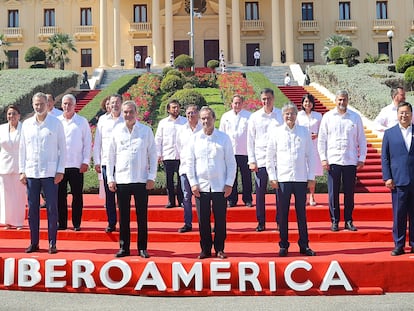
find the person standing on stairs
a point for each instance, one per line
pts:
(78, 155)
(342, 147)
(311, 119)
(103, 136)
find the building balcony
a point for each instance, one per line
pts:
(46, 32)
(13, 34)
(140, 29)
(308, 26)
(346, 26)
(383, 25)
(252, 25)
(84, 32)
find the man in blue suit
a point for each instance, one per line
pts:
(398, 174)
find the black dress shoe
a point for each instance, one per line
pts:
(397, 251)
(350, 226)
(221, 255)
(249, 204)
(169, 205)
(110, 229)
(260, 228)
(334, 227)
(231, 204)
(32, 248)
(52, 249)
(283, 252)
(185, 228)
(76, 229)
(412, 250)
(122, 253)
(61, 228)
(307, 251)
(203, 255)
(143, 253)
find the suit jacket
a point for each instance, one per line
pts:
(397, 162)
(9, 150)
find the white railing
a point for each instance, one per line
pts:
(252, 25)
(306, 26)
(346, 25)
(140, 27)
(383, 24)
(48, 31)
(84, 29)
(13, 32)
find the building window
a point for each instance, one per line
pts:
(86, 57)
(344, 10)
(140, 13)
(251, 11)
(383, 48)
(13, 18)
(49, 18)
(382, 10)
(307, 11)
(308, 52)
(13, 58)
(86, 17)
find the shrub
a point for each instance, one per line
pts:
(403, 62)
(213, 63)
(187, 97)
(165, 70)
(35, 54)
(174, 72)
(171, 83)
(183, 61)
(349, 54)
(188, 85)
(37, 66)
(409, 76)
(335, 54)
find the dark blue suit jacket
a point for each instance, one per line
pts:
(397, 162)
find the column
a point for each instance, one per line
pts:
(103, 33)
(223, 29)
(235, 34)
(117, 43)
(289, 32)
(275, 33)
(169, 37)
(156, 34)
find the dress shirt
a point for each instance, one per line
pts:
(407, 134)
(211, 162)
(235, 125)
(9, 149)
(289, 155)
(311, 122)
(78, 140)
(42, 150)
(133, 154)
(341, 138)
(55, 112)
(259, 125)
(387, 117)
(103, 135)
(184, 135)
(165, 137)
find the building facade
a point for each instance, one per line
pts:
(108, 33)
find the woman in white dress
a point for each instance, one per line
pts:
(12, 191)
(311, 119)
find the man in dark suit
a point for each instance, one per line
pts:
(398, 174)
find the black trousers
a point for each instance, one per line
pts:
(140, 193)
(75, 180)
(171, 167)
(205, 203)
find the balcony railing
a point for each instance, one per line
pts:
(308, 26)
(137, 29)
(346, 26)
(84, 32)
(47, 31)
(13, 33)
(252, 25)
(382, 25)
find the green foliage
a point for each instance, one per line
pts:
(409, 76)
(379, 59)
(35, 54)
(409, 45)
(335, 54)
(183, 61)
(259, 82)
(60, 45)
(213, 63)
(171, 83)
(174, 72)
(332, 41)
(37, 66)
(403, 62)
(349, 55)
(187, 97)
(188, 85)
(165, 70)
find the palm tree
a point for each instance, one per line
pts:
(409, 45)
(3, 46)
(332, 41)
(60, 45)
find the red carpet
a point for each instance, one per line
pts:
(84, 97)
(346, 262)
